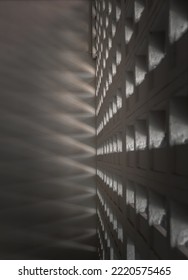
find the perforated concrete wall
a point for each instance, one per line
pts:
(140, 48)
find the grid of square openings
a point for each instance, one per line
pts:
(110, 222)
(141, 73)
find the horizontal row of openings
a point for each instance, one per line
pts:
(111, 180)
(160, 129)
(112, 145)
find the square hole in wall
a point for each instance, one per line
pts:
(115, 223)
(158, 210)
(119, 142)
(111, 216)
(112, 253)
(109, 43)
(115, 183)
(140, 69)
(141, 200)
(141, 135)
(110, 110)
(129, 29)
(130, 193)
(118, 55)
(178, 19)
(109, 7)
(120, 187)
(157, 130)
(120, 231)
(130, 138)
(178, 121)
(118, 10)
(106, 21)
(113, 28)
(179, 225)
(129, 83)
(109, 78)
(130, 249)
(115, 144)
(114, 105)
(103, 5)
(156, 49)
(119, 99)
(139, 6)
(114, 67)
(110, 145)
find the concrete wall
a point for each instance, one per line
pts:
(142, 128)
(47, 134)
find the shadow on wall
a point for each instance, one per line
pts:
(47, 143)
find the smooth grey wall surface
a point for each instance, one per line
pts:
(47, 135)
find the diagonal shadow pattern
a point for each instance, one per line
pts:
(47, 131)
